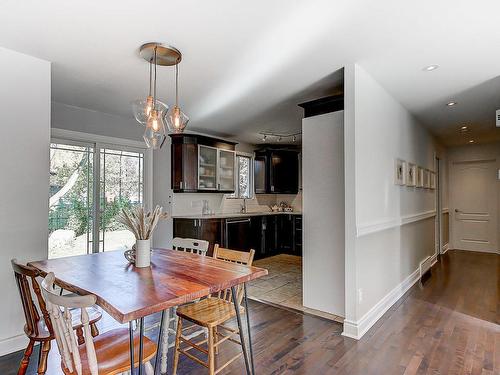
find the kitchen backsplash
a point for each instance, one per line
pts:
(192, 204)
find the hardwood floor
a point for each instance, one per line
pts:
(448, 326)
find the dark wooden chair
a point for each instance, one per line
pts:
(38, 325)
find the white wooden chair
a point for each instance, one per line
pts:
(108, 353)
(189, 245)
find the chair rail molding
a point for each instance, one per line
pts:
(379, 226)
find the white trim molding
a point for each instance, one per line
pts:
(365, 229)
(356, 329)
(446, 247)
(13, 344)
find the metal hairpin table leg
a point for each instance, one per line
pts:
(240, 328)
(247, 313)
(160, 336)
(131, 343)
(141, 344)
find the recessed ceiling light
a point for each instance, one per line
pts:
(430, 68)
(451, 104)
(471, 141)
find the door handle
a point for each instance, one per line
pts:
(457, 210)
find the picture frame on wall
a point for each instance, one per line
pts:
(433, 180)
(411, 174)
(399, 172)
(420, 177)
(427, 179)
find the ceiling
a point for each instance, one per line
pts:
(246, 66)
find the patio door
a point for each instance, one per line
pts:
(90, 183)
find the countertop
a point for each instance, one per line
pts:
(235, 215)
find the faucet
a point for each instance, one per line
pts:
(244, 206)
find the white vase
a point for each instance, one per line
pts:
(142, 253)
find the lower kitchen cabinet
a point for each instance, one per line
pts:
(202, 229)
(268, 235)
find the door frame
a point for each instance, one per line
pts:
(439, 208)
(99, 142)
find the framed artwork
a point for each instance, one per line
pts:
(427, 179)
(433, 180)
(411, 174)
(420, 177)
(400, 172)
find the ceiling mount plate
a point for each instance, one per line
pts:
(165, 55)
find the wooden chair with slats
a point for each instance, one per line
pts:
(189, 245)
(212, 313)
(38, 325)
(106, 354)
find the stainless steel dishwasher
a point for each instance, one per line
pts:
(238, 234)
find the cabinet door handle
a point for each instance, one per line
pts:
(272, 187)
(180, 184)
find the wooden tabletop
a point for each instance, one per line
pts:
(127, 293)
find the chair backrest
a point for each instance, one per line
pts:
(60, 315)
(190, 245)
(24, 275)
(233, 256)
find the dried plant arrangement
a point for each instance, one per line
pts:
(140, 222)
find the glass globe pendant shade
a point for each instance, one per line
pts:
(176, 120)
(154, 134)
(142, 108)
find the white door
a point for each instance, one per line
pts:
(474, 206)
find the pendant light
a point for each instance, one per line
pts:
(142, 107)
(154, 134)
(176, 119)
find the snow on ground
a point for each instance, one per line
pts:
(63, 243)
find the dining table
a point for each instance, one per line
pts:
(129, 294)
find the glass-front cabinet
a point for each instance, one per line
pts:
(207, 167)
(201, 164)
(225, 174)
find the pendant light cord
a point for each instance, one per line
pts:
(154, 87)
(150, 75)
(177, 85)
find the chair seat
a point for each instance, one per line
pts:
(208, 312)
(113, 353)
(42, 333)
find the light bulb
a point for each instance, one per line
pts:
(149, 106)
(176, 120)
(153, 121)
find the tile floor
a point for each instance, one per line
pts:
(283, 285)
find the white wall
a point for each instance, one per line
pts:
(395, 225)
(24, 191)
(94, 122)
(323, 212)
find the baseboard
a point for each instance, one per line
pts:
(13, 344)
(445, 248)
(356, 329)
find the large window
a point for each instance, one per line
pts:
(89, 185)
(244, 176)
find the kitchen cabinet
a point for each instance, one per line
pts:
(285, 233)
(276, 171)
(202, 229)
(201, 164)
(268, 235)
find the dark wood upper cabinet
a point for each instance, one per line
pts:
(200, 163)
(276, 171)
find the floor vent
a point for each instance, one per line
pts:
(425, 268)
